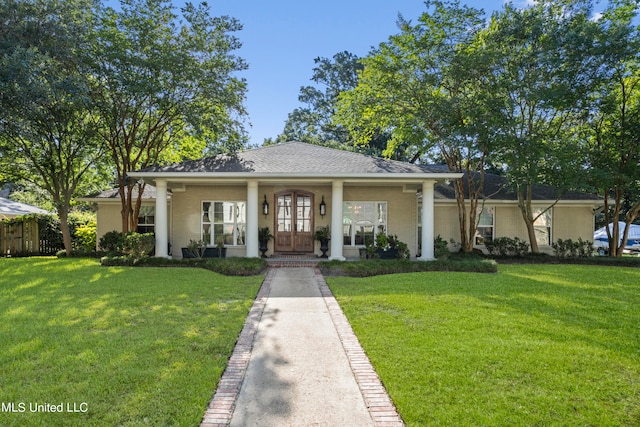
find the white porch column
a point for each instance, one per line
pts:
(162, 221)
(336, 221)
(427, 221)
(252, 219)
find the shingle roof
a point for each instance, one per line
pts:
(10, 208)
(148, 193)
(496, 187)
(295, 158)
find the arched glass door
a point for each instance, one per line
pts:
(294, 222)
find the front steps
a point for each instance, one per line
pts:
(293, 260)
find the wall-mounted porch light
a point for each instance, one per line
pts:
(323, 207)
(265, 206)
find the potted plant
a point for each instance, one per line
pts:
(386, 246)
(323, 235)
(221, 250)
(264, 235)
(195, 249)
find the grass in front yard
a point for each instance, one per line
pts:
(531, 345)
(139, 346)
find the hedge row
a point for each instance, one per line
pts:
(226, 266)
(375, 268)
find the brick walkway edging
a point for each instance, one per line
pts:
(220, 409)
(382, 410)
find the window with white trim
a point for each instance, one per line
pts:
(542, 226)
(147, 219)
(362, 221)
(485, 220)
(224, 220)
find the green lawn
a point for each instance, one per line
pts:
(532, 345)
(136, 346)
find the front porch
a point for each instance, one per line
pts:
(232, 213)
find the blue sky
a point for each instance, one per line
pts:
(281, 38)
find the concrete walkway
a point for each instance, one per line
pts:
(298, 363)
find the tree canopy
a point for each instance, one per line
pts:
(87, 89)
(47, 132)
(165, 87)
(517, 88)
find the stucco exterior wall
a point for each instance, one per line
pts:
(573, 222)
(109, 219)
(402, 213)
(446, 223)
(568, 222)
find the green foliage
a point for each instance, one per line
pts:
(510, 89)
(264, 234)
(382, 242)
(611, 136)
(112, 241)
(440, 248)
(236, 266)
(86, 236)
(314, 123)
(165, 79)
(370, 268)
(138, 245)
(403, 250)
(507, 246)
(196, 248)
(386, 247)
(226, 266)
(322, 233)
(570, 249)
(48, 136)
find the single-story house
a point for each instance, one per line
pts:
(294, 188)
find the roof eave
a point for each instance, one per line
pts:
(294, 176)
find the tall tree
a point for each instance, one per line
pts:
(613, 139)
(540, 73)
(161, 77)
(314, 122)
(421, 86)
(47, 135)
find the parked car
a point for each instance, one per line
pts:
(601, 240)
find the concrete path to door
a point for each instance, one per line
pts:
(298, 363)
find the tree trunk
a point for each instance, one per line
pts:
(124, 212)
(524, 203)
(462, 216)
(63, 214)
(615, 245)
(135, 211)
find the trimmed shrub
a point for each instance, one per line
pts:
(225, 266)
(112, 241)
(138, 245)
(440, 248)
(374, 268)
(85, 237)
(507, 246)
(570, 249)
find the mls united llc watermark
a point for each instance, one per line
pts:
(21, 407)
